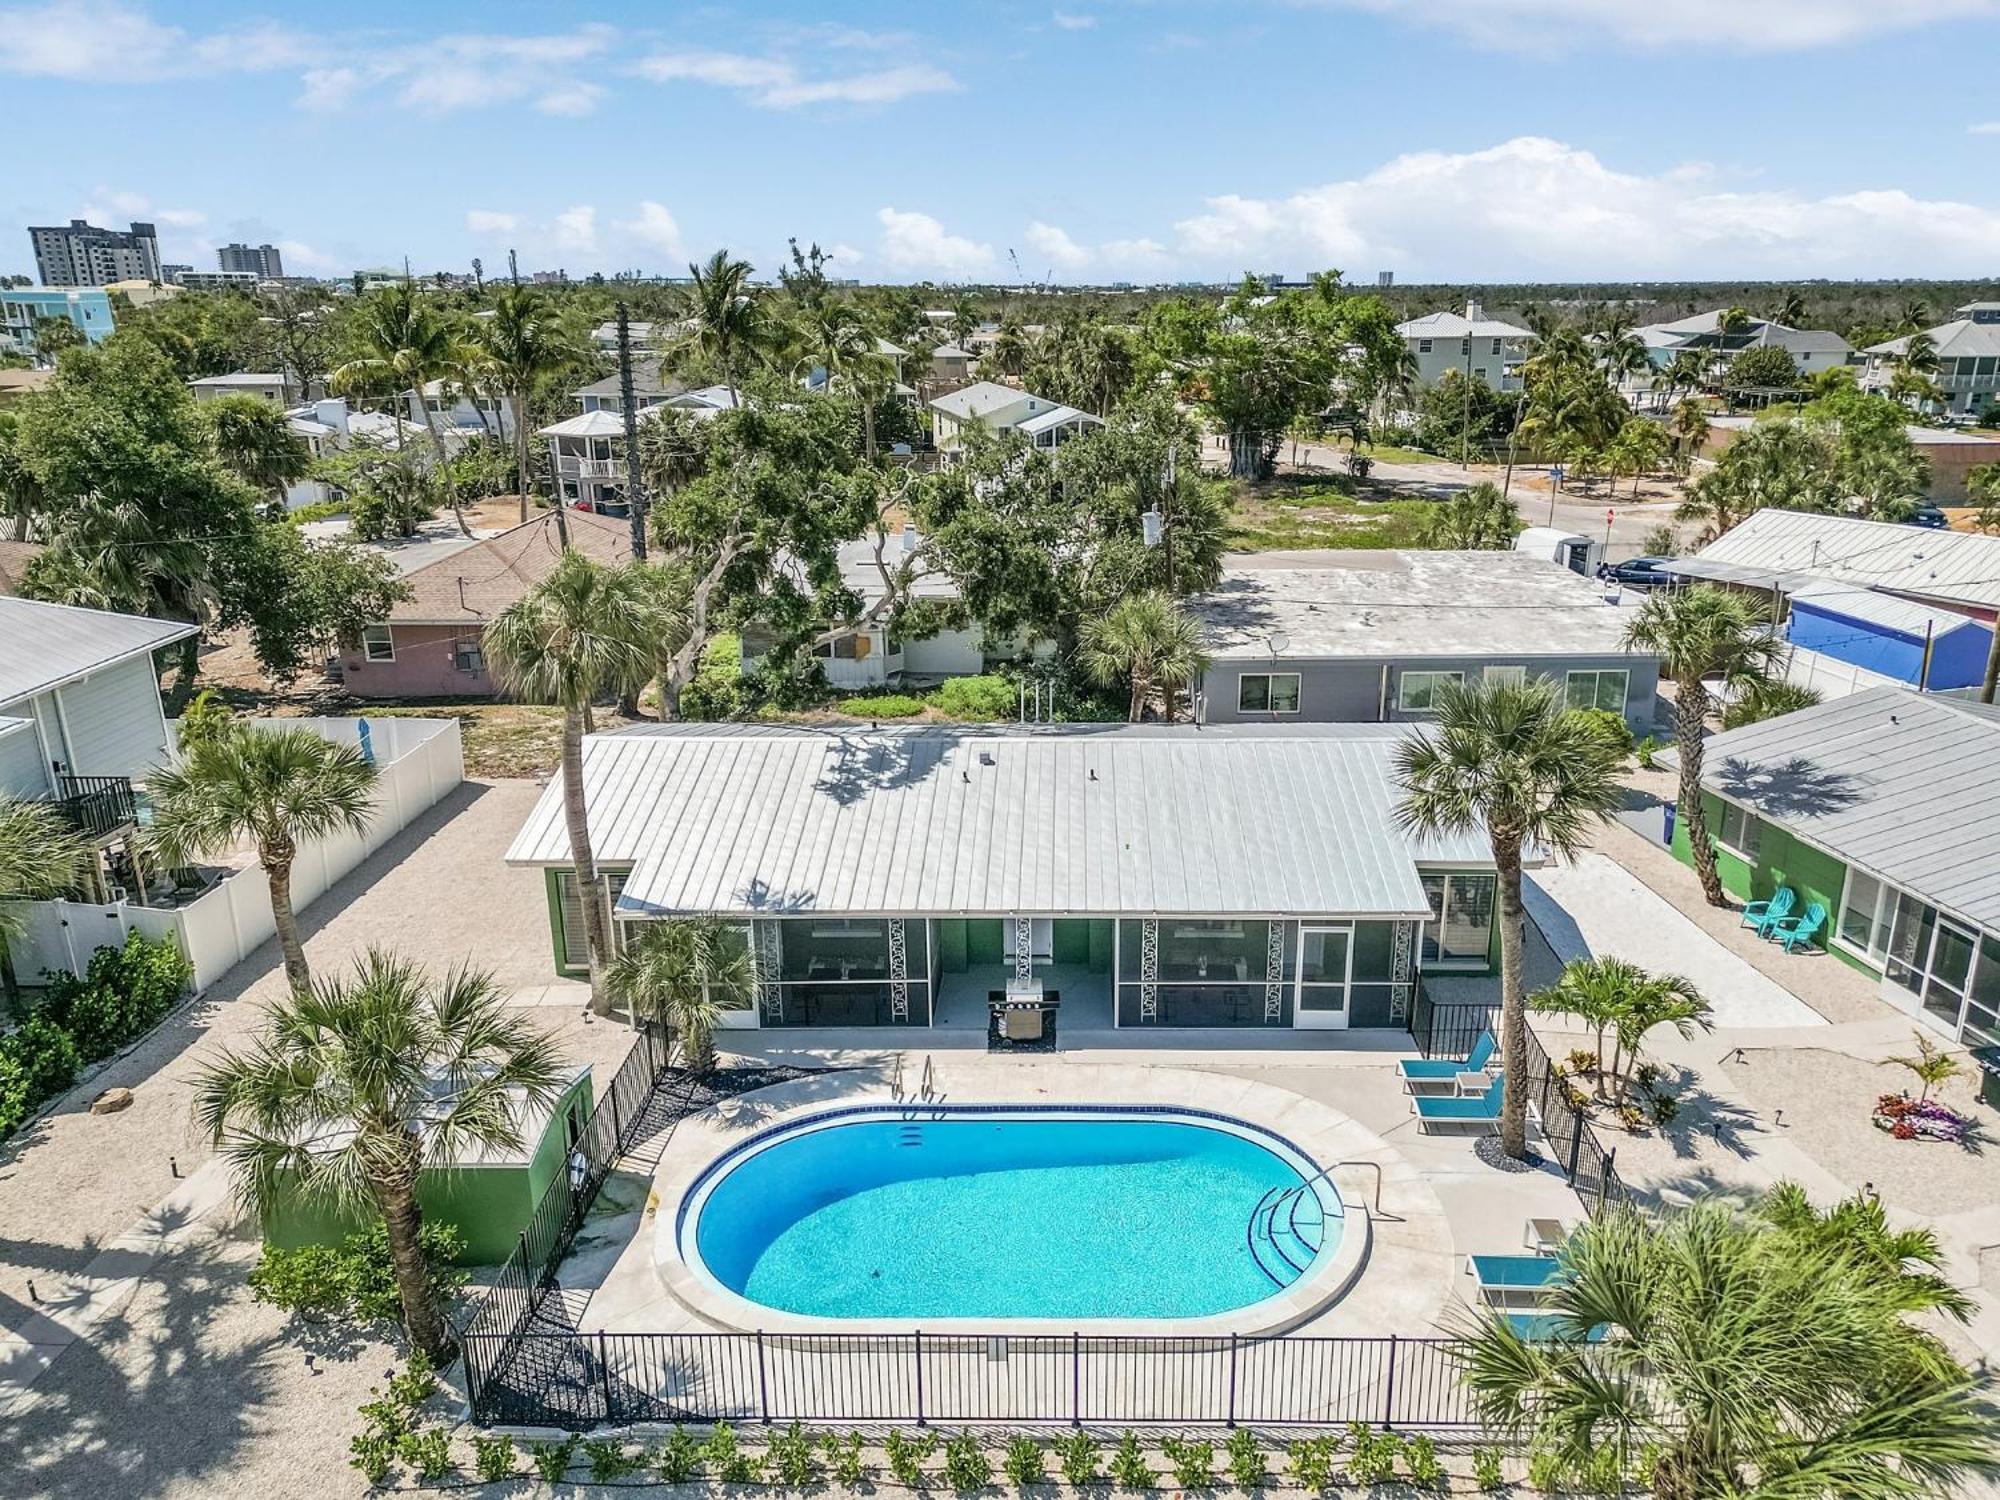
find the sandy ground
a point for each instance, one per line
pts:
(193, 1389)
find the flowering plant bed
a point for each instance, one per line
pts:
(1910, 1119)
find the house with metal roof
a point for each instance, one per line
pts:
(1968, 354)
(1884, 808)
(1319, 637)
(1476, 346)
(1002, 408)
(1812, 349)
(1131, 876)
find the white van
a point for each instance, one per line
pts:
(1570, 549)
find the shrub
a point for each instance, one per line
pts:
(372, 1453)
(1024, 1462)
(1647, 752)
(416, 1385)
(987, 697)
(44, 1058)
(608, 1460)
(792, 1459)
(1609, 727)
(906, 1456)
(679, 1457)
(1486, 1470)
(881, 706)
(1665, 1108)
(1632, 1116)
(494, 1457)
(1310, 1461)
(1248, 1470)
(843, 1460)
(1192, 1460)
(1420, 1462)
(1581, 1060)
(1371, 1456)
(355, 1279)
(429, 1453)
(726, 1459)
(1648, 1075)
(551, 1460)
(1129, 1469)
(1081, 1459)
(1544, 1470)
(966, 1467)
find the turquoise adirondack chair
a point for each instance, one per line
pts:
(1795, 932)
(1763, 915)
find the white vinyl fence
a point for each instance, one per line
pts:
(421, 760)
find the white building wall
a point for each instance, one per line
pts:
(113, 721)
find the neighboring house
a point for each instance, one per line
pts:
(431, 644)
(1152, 876)
(276, 389)
(17, 383)
(587, 451)
(1002, 408)
(1950, 453)
(1785, 551)
(874, 655)
(1318, 637)
(327, 427)
(1899, 640)
(81, 721)
(1884, 808)
(89, 308)
(951, 365)
(144, 293)
(14, 560)
(1812, 349)
(487, 1196)
(454, 409)
(1968, 351)
(650, 386)
(1471, 343)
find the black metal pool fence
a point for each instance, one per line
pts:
(525, 1366)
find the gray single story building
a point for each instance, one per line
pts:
(1369, 636)
(1156, 876)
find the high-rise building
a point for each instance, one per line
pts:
(81, 254)
(264, 260)
(1385, 278)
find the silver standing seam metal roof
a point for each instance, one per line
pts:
(1788, 549)
(43, 646)
(1103, 820)
(1906, 786)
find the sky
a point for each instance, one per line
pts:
(983, 140)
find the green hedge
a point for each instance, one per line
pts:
(122, 995)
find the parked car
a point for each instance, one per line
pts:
(1642, 572)
(1928, 515)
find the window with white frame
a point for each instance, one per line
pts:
(1740, 832)
(1417, 691)
(377, 644)
(1267, 693)
(1460, 931)
(1602, 687)
(1866, 907)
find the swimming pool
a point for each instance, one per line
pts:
(1074, 1214)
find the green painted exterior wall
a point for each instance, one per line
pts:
(1782, 860)
(488, 1205)
(950, 938)
(985, 941)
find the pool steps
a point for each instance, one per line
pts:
(1280, 1242)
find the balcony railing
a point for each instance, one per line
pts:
(96, 805)
(590, 468)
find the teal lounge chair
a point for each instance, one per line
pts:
(1437, 1070)
(1546, 1328)
(1762, 915)
(1511, 1279)
(1460, 1109)
(1795, 932)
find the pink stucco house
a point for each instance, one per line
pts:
(429, 647)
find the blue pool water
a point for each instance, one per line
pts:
(999, 1217)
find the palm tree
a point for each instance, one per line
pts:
(1699, 633)
(1146, 639)
(1686, 371)
(255, 442)
(831, 336)
(279, 788)
(1688, 426)
(41, 857)
(1651, 1001)
(1790, 311)
(1476, 519)
(1932, 1065)
(358, 1085)
(1767, 698)
(525, 342)
(686, 971)
(1510, 757)
(729, 327)
(584, 632)
(1737, 1355)
(1909, 1261)
(405, 344)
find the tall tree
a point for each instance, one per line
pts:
(255, 442)
(403, 344)
(358, 1085)
(1511, 758)
(1147, 641)
(1701, 633)
(729, 328)
(583, 633)
(280, 789)
(527, 343)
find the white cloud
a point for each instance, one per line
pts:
(1984, 127)
(1532, 207)
(111, 204)
(1765, 26)
(1073, 21)
(1056, 247)
(917, 242)
(575, 229)
(329, 88)
(299, 253)
(97, 42)
(655, 229)
(571, 99)
(845, 256)
(775, 83)
(488, 221)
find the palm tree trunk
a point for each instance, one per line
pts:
(590, 897)
(403, 1218)
(1513, 999)
(1690, 719)
(1138, 705)
(520, 403)
(444, 464)
(184, 676)
(278, 871)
